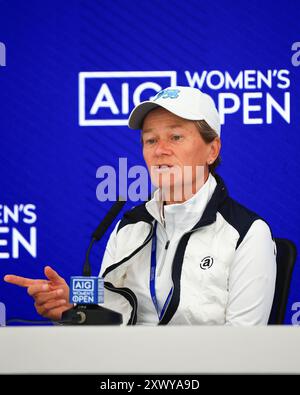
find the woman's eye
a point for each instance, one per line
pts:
(176, 137)
(149, 141)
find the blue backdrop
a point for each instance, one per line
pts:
(51, 143)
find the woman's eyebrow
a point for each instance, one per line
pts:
(147, 130)
(173, 126)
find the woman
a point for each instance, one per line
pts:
(191, 255)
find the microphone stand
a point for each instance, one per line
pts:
(93, 314)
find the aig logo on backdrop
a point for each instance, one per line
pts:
(256, 96)
(107, 97)
(2, 55)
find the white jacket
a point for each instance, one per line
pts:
(220, 260)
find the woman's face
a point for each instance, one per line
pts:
(175, 153)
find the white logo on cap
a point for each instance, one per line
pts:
(167, 94)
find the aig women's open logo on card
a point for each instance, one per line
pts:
(86, 290)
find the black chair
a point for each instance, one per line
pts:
(286, 258)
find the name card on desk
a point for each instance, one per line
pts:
(86, 290)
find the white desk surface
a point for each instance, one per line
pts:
(149, 350)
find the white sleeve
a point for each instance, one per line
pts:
(252, 278)
(110, 251)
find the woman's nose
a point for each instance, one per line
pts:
(163, 148)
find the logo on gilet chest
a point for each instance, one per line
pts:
(206, 262)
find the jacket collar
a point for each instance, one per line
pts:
(217, 200)
(205, 203)
(140, 213)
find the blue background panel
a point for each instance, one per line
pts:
(49, 160)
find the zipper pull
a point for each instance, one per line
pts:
(163, 259)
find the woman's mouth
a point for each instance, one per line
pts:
(162, 168)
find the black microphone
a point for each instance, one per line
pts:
(108, 219)
(92, 314)
(101, 229)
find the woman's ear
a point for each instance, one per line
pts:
(215, 147)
